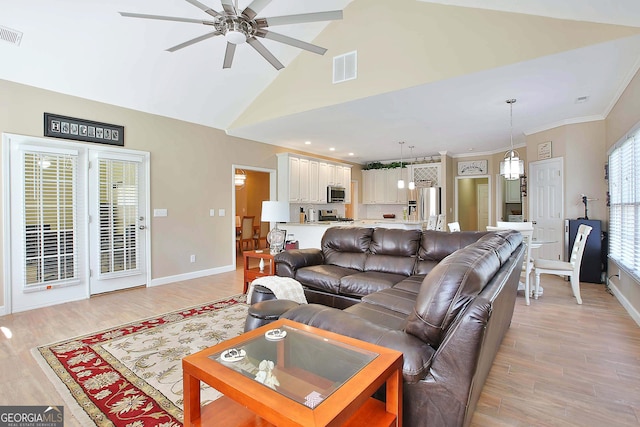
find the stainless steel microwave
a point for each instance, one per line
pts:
(335, 194)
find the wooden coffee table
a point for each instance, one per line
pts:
(325, 379)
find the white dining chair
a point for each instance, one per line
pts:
(526, 229)
(431, 223)
(454, 227)
(569, 268)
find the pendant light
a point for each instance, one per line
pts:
(400, 180)
(412, 184)
(511, 167)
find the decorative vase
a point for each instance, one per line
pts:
(261, 265)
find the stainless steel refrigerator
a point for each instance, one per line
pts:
(428, 202)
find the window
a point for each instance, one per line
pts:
(49, 219)
(624, 213)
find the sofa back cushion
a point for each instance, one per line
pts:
(458, 278)
(437, 245)
(346, 246)
(393, 251)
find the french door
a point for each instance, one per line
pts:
(75, 216)
(117, 221)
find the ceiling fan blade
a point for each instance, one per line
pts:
(165, 18)
(228, 7)
(204, 7)
(301, 18)
(255, 8)
(290, 41)
(193, 41)
(228, 55)
(265, 53)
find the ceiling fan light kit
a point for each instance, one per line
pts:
(243, 27)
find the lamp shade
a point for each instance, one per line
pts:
(274, 211)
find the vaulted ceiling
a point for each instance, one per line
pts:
(435, 74)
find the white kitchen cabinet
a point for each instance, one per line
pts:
(368, 187)
(305, 179)
(314, 186)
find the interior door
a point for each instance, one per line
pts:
(546, 205)
(118, 226)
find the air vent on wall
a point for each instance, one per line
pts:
(345, 67)
(11, 36)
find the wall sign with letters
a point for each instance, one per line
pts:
(474, 167)
(83, 130)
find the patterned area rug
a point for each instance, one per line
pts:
(131, 375)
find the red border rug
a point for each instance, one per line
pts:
(131, 375)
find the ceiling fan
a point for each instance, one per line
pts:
(239, 27)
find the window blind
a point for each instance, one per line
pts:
(624, 213)
(118, 216)
(49, 219)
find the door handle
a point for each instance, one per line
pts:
(142, 227)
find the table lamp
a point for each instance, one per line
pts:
(274, 211)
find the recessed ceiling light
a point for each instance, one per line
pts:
(307, 143)
(582, 99)
(332, 149)
(351, 154)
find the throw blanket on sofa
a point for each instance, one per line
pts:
(282, 288)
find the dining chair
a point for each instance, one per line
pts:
(246, 233)
(431, 222)
(261, 234)
(569, 268)
(454, 227)
(526, 229)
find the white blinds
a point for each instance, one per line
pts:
(49, 219)
(624, 213)
(118, 216)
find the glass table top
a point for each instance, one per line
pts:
(298, 364)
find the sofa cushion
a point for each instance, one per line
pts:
(450, 286)
(378, 315)
(411, 283)
(436, 245)
(346, 246)
(398, 300)
(360, 284)
(324, 277)
(393, 251)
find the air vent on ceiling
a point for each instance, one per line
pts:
(345, 67)
(11, 36)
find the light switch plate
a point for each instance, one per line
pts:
(159, 212)
(212, 212)
(221, 212)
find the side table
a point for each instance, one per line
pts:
(251, 266)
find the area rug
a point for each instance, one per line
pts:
(131, 375)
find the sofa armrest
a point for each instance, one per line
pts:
(288, 262)
(416, 355)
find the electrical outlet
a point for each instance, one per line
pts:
(193, 258)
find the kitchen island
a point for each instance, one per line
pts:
(309, 234)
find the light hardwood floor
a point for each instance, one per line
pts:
(560, 364)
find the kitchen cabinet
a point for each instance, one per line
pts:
(380, 186)
(426, 174)
(303, 179)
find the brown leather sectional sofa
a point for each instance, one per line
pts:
(444, 299)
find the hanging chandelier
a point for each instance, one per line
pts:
(412, 183)
(400, 180)
(511, 167)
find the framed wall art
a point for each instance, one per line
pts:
(83, 130)
(544, 150)
(473, 167)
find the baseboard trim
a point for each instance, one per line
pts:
(633, 312)
(193, 275)
(3, 310)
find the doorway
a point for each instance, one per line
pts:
(472, 202)
(74, 216)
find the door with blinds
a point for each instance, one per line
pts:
(76, 221)
(117, 221)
